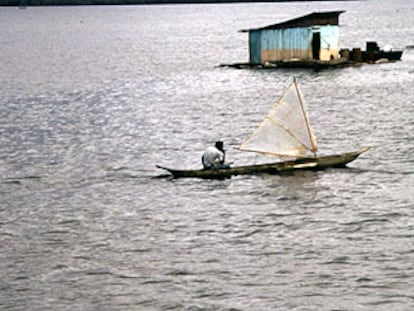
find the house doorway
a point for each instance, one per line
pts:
(316, 45)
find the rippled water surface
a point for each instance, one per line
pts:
(93, 97)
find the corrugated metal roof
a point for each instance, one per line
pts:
(312, 19)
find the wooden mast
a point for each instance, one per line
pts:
(311, 136)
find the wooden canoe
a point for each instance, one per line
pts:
(318, 163)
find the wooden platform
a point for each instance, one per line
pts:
(310, 64)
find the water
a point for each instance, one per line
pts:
(93, 97)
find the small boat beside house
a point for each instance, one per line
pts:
(309, 41)
(373, 53)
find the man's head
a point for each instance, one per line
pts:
(219, 145)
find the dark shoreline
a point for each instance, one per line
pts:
(24, 3)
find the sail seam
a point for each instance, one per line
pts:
(288, 131)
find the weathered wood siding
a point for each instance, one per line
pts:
(289, 43)
(255, 47)
(292, 43)
(329, 42)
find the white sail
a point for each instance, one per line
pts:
(285, 131)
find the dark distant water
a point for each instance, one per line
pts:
(93, 97)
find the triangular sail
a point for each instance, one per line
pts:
(285, 131)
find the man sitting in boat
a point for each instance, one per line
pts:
(213, 157)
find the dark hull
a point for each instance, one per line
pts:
(319, 163)
(308, 64)
(371, 57)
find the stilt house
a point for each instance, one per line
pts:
(312, 37)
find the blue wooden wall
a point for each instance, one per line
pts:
(288, 43)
